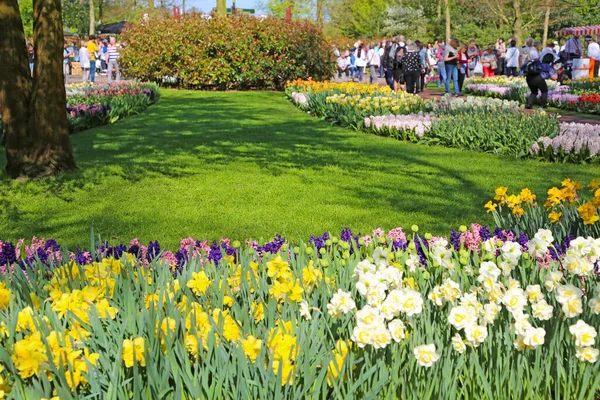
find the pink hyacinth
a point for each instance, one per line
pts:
(168, 256)
(378, 232)
(397, 235)
(367, 239)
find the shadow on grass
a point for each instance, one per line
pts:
(189, 133)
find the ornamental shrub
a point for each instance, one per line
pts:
(226, 53)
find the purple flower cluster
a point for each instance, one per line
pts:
(489, 88)
(85, 110)
(573, 139)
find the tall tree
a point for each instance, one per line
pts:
(92, 18)
(404, 20)
(447, 10)
(36, 131)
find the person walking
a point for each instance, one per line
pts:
(424, 66)
(373, 62)
(439, 55)
(113, 60)
(381, 52)
(594, 55)
(573, 48)
(411, 64)
(489, 61)
(92, 48)
(512, 59)
(389, 62)
(536, 81)
(473, 54)
(84, 60)
(501, 54)
(431, 59)
(399, 68)
(67, 54)
(463, 67)
(361, 61)
(451, 62)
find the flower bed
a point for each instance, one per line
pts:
(582, 96)
(348, 103)
(567, 212)
(574, 143)
(475, 123)
(93, 105)
(382, 314)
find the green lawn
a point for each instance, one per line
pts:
(249, 164)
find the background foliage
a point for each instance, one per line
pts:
(231, 53)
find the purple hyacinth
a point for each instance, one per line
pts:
(153, 250)
(420, 244)
(484, 233)
(182, 258)
(319, 241)
(273, 246)
(7, 254)
(455, 239)
(135, 250)
(80, 256)
(522, 240)
(346, 235)
(499, 233)
(399, 245)
(214, 254)
(52, 244)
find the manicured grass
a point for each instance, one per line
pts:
(249, 164)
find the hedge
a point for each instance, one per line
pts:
(226, 53)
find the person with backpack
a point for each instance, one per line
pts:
(536, 72)
(388, 62)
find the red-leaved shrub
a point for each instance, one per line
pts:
(226, 53)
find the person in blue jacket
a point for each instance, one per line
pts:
(536, 74)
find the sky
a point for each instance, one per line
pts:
(207, 5)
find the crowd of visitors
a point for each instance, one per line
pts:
(405, 64)
(92, 55)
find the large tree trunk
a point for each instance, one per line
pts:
(52, 151)
(37, 135)
(517, 30)
(15, 86)
(100, 10)
(546, 22)
(447, 7)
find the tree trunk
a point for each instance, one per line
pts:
(92, 19)
(517, 31)
(447, 7)
(320, 13)
(439, 10)
(221, 8)
(100, 10)
(52, 151)
(15, 86)
(150, 6)
(546, 22)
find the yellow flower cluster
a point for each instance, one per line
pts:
(56, 334)
(559, 199)
(513, 201)
(394, 103)
(350, 88)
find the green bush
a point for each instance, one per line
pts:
(226, 53)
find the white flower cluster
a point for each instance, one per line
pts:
(585, 337)
(380, 285)
(581, 256)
